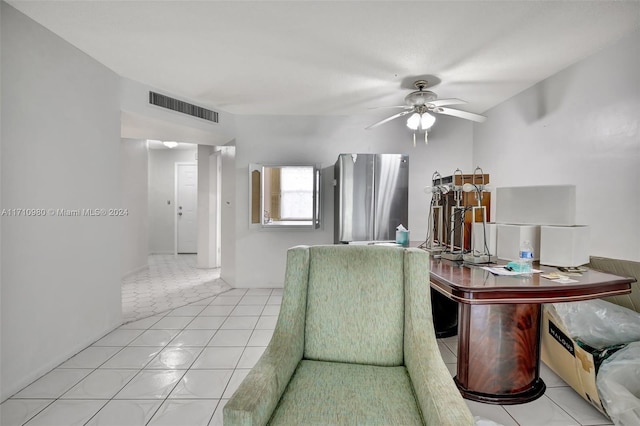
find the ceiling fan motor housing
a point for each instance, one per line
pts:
(420, 97)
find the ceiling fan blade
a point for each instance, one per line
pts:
(386, 120)
(450, 101)
(461, 114)
(393, 106)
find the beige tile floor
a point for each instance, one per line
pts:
(169, 282)
(175, 368)
(180, 366)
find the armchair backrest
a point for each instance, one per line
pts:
(355, 304)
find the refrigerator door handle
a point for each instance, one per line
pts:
(373, 222)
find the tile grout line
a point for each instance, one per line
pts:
(94, 369)
(112, 398)
(242, 353)
(191, 365)
(53, 400)
(162, 401)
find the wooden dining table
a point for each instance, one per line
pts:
(499, 323)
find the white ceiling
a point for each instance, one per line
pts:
(336, 57)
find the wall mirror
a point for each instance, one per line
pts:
(284, 196)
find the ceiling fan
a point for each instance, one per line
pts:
(421, 104)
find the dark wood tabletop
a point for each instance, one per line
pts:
(474, 285)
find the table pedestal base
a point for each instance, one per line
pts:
(535, 392)
(499, 353)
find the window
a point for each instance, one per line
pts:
(296, 193)
(284, 196)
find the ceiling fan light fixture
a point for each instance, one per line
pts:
(419, 121)
(420, 104)
(426, 121)
(414, 121)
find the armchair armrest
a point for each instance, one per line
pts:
(259, 393)
(439, 398)
(257, 396)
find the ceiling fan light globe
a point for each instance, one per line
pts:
(414, 121)
(426, 121)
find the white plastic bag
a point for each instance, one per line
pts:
(599, 323)
(618, 383)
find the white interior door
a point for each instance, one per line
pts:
(186, 208)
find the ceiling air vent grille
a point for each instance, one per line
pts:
(183, 107)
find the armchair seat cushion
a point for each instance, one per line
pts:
(333, 393)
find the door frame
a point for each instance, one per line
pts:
(177, 164)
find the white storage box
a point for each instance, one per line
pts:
(564, 245)
(478, 232)
(536, 205)
(511, 237)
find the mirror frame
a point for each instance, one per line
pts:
(256, 197)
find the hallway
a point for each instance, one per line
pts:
(168, 283)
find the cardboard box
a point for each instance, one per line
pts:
(568, 360)
(511, 237)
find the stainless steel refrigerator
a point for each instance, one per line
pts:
(371, 196)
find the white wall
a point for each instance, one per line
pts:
(1, 207)
(134, 158)
(162, 211)
(208, 207)
(261, 254)
(582, 127)
(60, 150)
(228, 214)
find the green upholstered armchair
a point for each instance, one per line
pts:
(354, 344)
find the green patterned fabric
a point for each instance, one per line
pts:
(327, 290)
(439, 399)
(347, 394)
(355, 305)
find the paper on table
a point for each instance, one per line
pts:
(558, 278)
(500, 270)
(565, 280)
